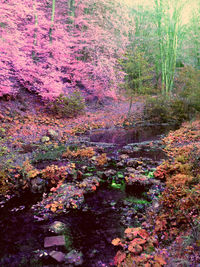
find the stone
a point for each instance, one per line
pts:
(52, 134)
(57, 255)
(123, 156)
(45, 139)
(130, 169)
(132, 163)
(37, 185)
(120, 164)
(51, 241)
(109, 173)
(74, 257)
(57, 227)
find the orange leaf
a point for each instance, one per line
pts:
(53, 209)
(136, 249)
(133, 231)
(159, 259)
(116, 241)
(48, 206)
(137, 241)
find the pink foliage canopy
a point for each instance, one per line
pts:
(84, 48)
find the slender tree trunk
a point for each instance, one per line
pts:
(52, 19)
(35, 30)
(167, 30)
(71, 4)
(130, 106)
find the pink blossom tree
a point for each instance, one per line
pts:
(42, 42)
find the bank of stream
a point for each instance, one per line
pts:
(118, 202)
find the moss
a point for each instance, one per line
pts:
(68, 239)
(48, 153)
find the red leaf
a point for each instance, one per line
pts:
(119, 257)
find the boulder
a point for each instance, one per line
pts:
(74, 257)
(52, 134)
(45, 139)
(57, 227)
(51, 241)
(57, 255)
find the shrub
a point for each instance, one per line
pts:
(164, 109)
(189, 86)
(48, 153)
(156, 109)
(181, 109)
(67, 106)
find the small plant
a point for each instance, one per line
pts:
(137, 249)
(162, 109)
(189, 79)
(55, 174)
(101, 159)
(87, 152)
(49, 152)
(4, 185)
(156, 109)
(67, 106)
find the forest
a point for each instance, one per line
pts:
(100, 133)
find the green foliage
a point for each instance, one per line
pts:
(137, 200)
(156, 109)
(180, 107)
(138, 72)
(120, 186)
(49, 152)
(150, 174)
(68, 239)
(189, 79)
(163, 109)
(67, 106)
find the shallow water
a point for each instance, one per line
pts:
(123, 136)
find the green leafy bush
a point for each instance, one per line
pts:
(162, 109)
(156, 109)
(48, 153)
(67, 106)
(189, 86)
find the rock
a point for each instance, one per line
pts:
(45, 139)
(57, 255)
(130, 169)
(109, 173)
(67, 195)
(37, 185)
(52, 134)
(84, 168)
(136, 179)
(123, 156)
(74, 257)
(102, 145)
(90, 184)
(51, 241)
(120, 164)
(57, 227)
(132, 163)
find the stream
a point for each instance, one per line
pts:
(105, 214)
